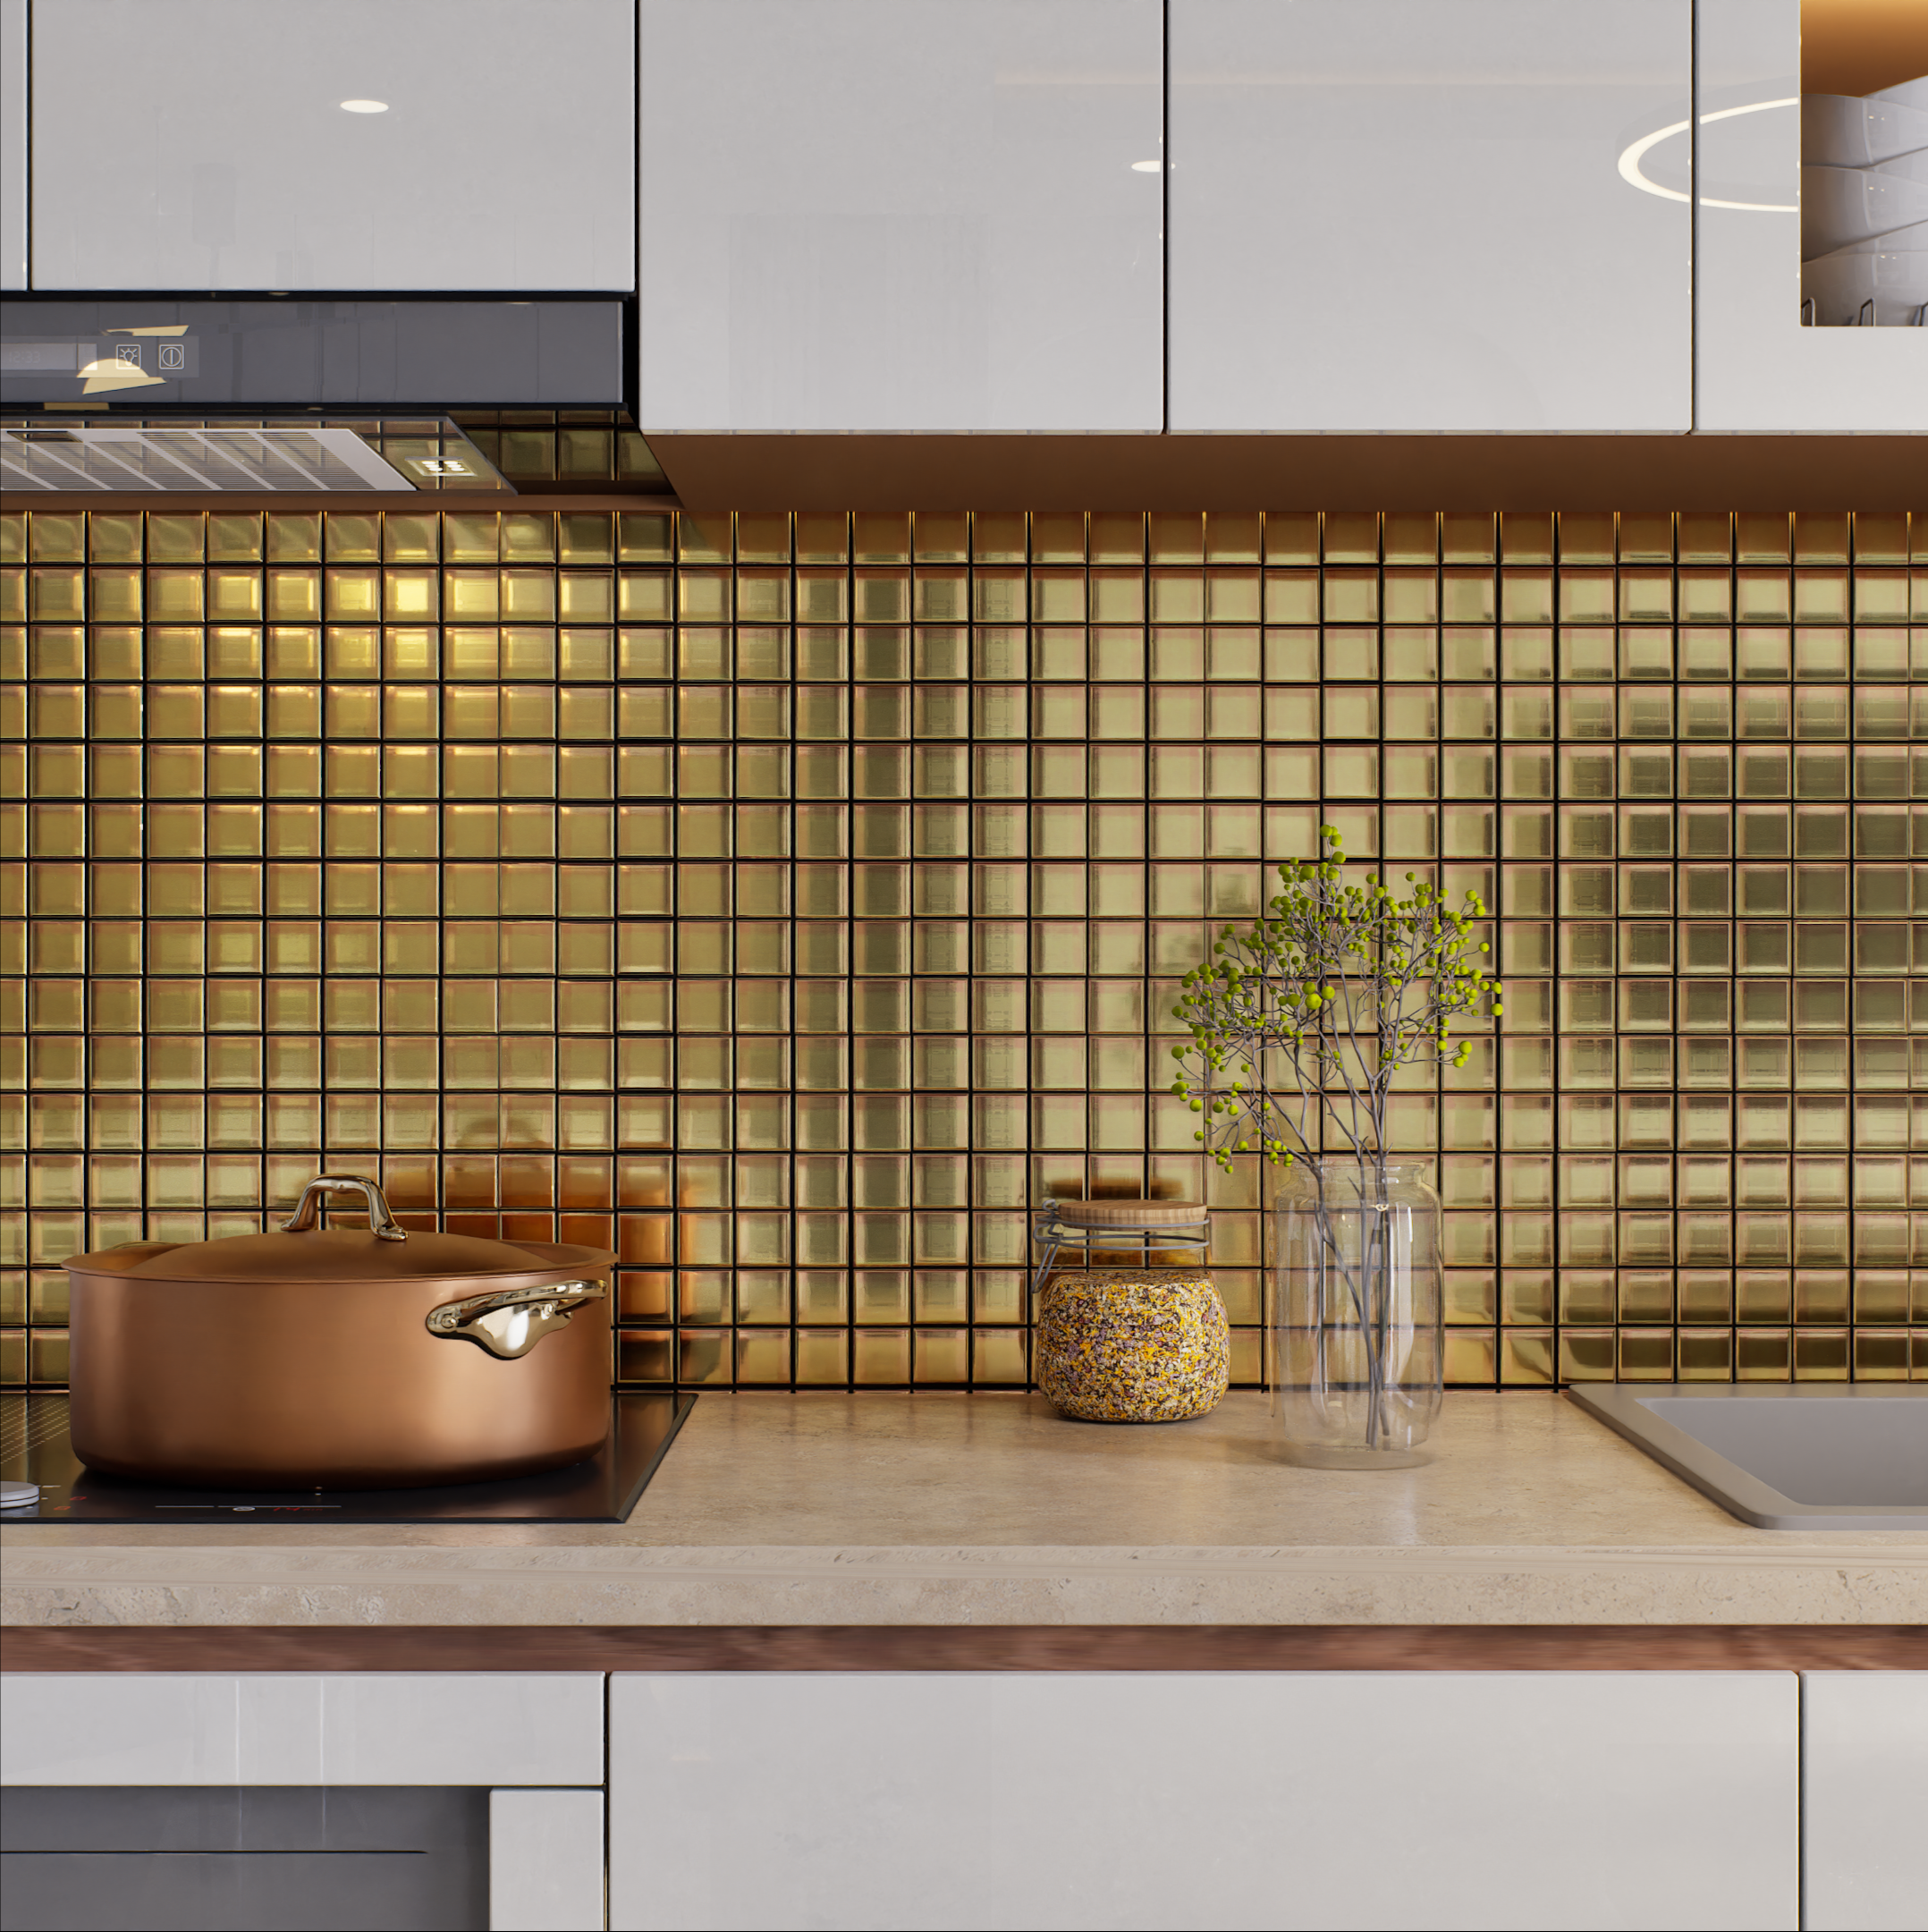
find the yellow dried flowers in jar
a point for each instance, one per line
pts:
(1133, 1344)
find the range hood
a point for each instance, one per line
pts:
(207, 356)
(163, 457)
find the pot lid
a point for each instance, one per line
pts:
(300, 1250)
(338, 1254)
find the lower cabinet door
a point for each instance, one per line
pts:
(1865, 1800)
(1330, 1800)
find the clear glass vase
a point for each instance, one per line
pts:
(1355, 1341)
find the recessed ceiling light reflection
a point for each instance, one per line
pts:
(365, 106)
(1630, 159)
(1146, 167)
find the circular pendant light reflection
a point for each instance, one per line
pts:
(1630, 162)
(365, 106)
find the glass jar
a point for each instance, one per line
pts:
(1357, 1336)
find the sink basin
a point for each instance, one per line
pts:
(1800, 1456)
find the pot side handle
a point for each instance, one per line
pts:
(510, 1322)
(307, 1210)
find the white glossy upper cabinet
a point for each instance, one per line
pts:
(12, 144)
(900, 215)
(1411, 214)
(203, 144)
(1759, 368)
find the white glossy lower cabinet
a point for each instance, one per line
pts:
(271, 1727)
(1863, 1800)
(1330, 1800)
(545, 1861)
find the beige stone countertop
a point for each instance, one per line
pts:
(992, 1510)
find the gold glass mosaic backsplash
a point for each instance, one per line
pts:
(763, 897)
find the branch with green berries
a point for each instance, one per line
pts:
(1308, 1014)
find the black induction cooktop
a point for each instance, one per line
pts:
(34, 1448)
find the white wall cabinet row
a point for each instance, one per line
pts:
(1357, 216)
(1630, 1799)
(1378, 215)
(1343, 216)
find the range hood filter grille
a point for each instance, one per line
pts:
(166, 457)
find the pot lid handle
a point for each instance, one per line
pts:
(383, 1223)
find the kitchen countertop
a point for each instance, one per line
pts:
(779, 1510)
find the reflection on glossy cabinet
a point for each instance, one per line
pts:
(1405, 215)
(1758, 367)
(1421, 1799)
(860, 215)
(203, 144)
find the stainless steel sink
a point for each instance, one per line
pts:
(1799, 1456)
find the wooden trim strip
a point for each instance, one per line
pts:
(1191, 472)
(1015, 1648)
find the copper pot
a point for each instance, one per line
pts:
(339, 1359)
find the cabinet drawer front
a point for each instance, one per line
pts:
(344, 1727)
(1531, 1798)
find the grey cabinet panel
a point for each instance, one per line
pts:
(1759, 370)
(222, 1892)
(201, 144)
(900, 215)
(1408, 215)
(276, 1859)
(12, 144)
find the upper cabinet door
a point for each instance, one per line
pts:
(1413, 215)
(900, 215)
(207, 145)
(1759, 368)
(12, 144)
